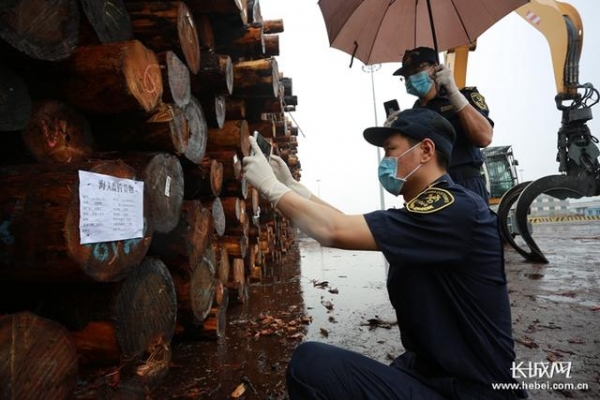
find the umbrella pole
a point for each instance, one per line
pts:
(432, 25)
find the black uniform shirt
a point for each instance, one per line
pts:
(463, 152)
(447, 284)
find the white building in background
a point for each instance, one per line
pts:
(548, 206)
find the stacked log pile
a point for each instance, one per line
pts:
(166, 93)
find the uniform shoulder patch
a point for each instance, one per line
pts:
(430, 201)
(479, 101)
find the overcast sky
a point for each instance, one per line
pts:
(511, 67)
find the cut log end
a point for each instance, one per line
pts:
(188, 38)
(142, 74)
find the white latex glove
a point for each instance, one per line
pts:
(391, 118)
(443, 78)
(259, 174)
(283, 174)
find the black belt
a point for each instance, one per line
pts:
(464, 172)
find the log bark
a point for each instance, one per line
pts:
(44, 30)
(37, 358)
(257, 107)
(245, 42)
(186, 244)
(109, 20)
(256, 78)
(176, 79)
(166, 26)
(198, 131)
(222, 262)
(110, 78)
(205, 33)
(273, 26)
(166, 130)
(57, 133)
(163, 183)
(40, 230)
(235, 108)
(203, 180)
(271, 45)
(15, 102)
(234, 209)
(231, 12)
(236, 246)
(234, 135)
(215, 76)
(235, 187)
(266, 128)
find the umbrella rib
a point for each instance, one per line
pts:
(379, 28)
(461, 20)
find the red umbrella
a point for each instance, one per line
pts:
(378, 31)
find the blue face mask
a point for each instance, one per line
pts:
(388, 169)
(419, 84)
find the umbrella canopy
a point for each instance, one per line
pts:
(378, 31)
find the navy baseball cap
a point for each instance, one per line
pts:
(419, 124)
(413, 58)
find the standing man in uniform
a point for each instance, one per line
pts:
(446, 276)
(466, 110)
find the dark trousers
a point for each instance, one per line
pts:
(321, 371)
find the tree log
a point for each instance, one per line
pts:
(186, 244)
(236, 246)
(38, 358)
(215, 76)
(57, 133)
(237, 286)
(222, 265)
(218, 214)
(203, 180)
(232, 164)
(235, 108)
(111, 78)
(256, 107)
(256, 78)
(266, 128)
(125, 320)
(214, 110)
(198, 131)
(163, 183)
(213, 327)
(166, 26)
(271, 45)
(109, 20)
(235, 187)
(234, 135)
(40, 229)
(245, 42)
(176, 79)
(45, 30)
(15, 103)
(254, 13)
(166, 130)
(205, 33)
(234, 12)
(273, 26)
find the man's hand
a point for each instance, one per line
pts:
(283, 174)
(443, 78)
(259, 174)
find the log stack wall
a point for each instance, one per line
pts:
(166, 93)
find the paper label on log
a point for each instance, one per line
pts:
(110, 208)
(168, 186)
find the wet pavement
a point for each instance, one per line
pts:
(339, 297)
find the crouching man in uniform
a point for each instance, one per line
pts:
(446, 277)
